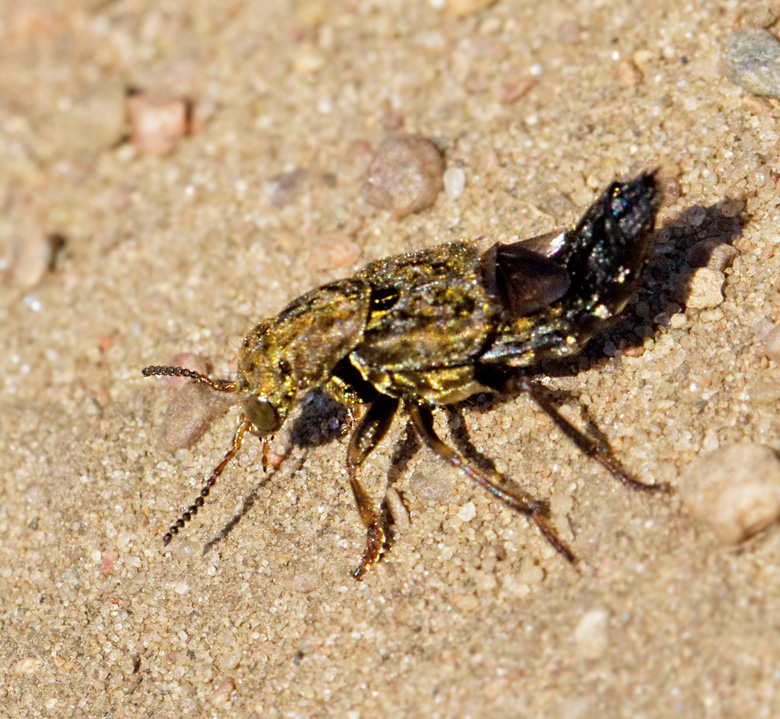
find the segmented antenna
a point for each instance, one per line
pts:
(192, 510)
(221, 385)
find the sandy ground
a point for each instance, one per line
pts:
(471, 613)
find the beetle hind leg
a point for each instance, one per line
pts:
(369, 432)
(537, 510)
(592, 447)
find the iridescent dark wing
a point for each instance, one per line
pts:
(525, 281)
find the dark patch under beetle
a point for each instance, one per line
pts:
(434, 327)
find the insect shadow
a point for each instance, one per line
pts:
(320, 421)
(682, 245)
(246, 506)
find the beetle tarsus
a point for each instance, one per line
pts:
(537, 510)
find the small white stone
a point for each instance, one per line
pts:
(28, 665)
(33, 257)
(307, 62)
(454, 182)
(677, 320)
(705, 289)
(467, 512)
(398, 512)
(591, 633)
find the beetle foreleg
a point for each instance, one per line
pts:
(536, 509)
(369, 432)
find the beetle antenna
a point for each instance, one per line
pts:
(192, 510)
(221, 385)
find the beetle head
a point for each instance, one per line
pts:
(264, 416)
(265, 380)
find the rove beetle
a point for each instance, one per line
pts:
(432, 328)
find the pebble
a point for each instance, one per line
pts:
(34, 256)
(230, 661)
(678, 320)
(513, 91)
(466, 602)
(732, 207)
(287, 187)
(27, 665)
(185, 549)
(189, 414)
(628, 74)
(752, 61)
(158, 122)
(405, 175)
(735, 491)
(300, 576)
(454, 182)
(108, 563)
(530, 574)
(431, 486)
(467, 512)
(224, 692)
(94, 120)
(561, 504)
(462, 8)
(591, 635)
(398, 511)
(705, 289)
(771, 343)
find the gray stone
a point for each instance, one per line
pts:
(752, 61)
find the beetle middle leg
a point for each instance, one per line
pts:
(369, 432)
(537, 510)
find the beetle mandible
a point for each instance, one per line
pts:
(436, 326)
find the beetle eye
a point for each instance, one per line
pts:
(261, 414)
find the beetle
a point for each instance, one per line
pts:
(433, 327)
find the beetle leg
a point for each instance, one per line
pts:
(590, 446)
(536, 509)
(369, 432)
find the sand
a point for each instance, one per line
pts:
(471, 613)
